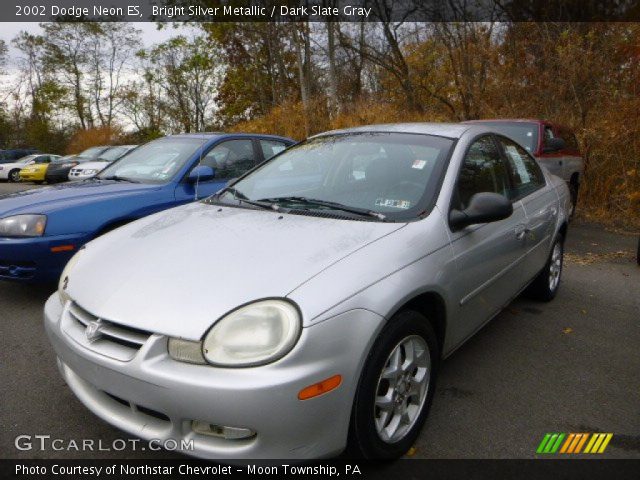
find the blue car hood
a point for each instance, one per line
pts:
(50, 199)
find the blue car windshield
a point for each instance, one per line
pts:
(156, 162)
(395, 176)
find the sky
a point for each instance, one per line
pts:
(150, 34)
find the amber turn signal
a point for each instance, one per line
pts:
(320, 388)
(62, 248)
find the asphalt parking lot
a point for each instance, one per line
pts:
(572, 365)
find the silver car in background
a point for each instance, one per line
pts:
(91, 169)
(307, 307)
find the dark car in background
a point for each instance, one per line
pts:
(59, 171)
(555, 147)
(10, 156)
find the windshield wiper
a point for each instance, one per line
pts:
(242, 198)
(326, 203)
(119, 179)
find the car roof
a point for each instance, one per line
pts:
(213, 135)
(508, 120)
(450, 130)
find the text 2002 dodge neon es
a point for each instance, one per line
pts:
(307, 306)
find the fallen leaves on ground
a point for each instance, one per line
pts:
(590, 258)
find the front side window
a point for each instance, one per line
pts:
(483, 170)
(231, 159)
(526, 176)
(548, 134)
(156, 162)
(393, 174)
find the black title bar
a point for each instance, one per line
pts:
(320, 10)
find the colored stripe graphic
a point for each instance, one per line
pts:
(598, 442)
(550, 443)
(572, 443)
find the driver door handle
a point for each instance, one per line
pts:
(521, 231)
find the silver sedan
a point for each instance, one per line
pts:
(307, 307)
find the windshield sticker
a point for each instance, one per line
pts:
(392, 203)
(419, 164)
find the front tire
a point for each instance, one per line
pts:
(395, 390)
(14, 176)
(545, 286)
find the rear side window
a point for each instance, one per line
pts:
(526, 175)
(569, 138)
(483, 170)
(271, 148)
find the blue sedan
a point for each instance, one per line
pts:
(41, 229)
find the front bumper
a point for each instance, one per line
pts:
(31, 259)
(57, 176)
(155, 397)
(80, 175)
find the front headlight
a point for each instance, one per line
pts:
(23, 226)
(63, 283)
(255, 334)
(89, 172)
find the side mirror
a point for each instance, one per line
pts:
(553, 145)
(201, 173)
(483, 207)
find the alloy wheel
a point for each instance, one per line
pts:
(402, 389)
(555, 267)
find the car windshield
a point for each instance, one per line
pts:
(383, 176)
(91, 152)
(524, 133)
(156, 162)
(113, 153)
(64, 159)
(26, 159)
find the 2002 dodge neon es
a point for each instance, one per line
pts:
(306, 307)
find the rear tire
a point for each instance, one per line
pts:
(545, 286)
(14, 176)
(395, 389)
(574, 187)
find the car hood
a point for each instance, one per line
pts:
(179, 271)
(54, 198)
(93, 164)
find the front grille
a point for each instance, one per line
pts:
(139, 408)
(113, 339)
(20, 270)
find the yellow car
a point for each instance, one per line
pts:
(36, 169)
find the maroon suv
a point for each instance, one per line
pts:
(554, 146)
